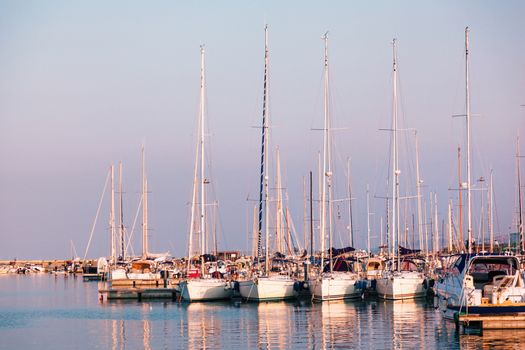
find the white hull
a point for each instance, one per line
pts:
(335, 286)
(401, 285)
(122, 275)
(205, 289)
(267, 288)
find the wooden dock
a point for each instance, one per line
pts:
(139, 289)
(503, 321)
(137, 293)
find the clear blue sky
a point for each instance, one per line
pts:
(83, 84)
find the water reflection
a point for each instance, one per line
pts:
(274, 325)
(338, 324)
(203, 325)
(49, 312)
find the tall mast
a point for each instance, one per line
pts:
(368, 219)
(436, 223)
(263, 188)
(327, 171)
(350, 218)
(320, 205)
(469, 179)
(520, 206)
(144, 207)
(254, 231)
(112, 217)
(279, 207)
(121, 216)
(418, 188)
(491, 218)
(202, 172)
(395, 163)
(432, 226)
(449, 227)
(311, 217)
(460, 199)
(265, 153)
(305, 215)
(381, 235)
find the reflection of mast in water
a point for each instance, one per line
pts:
(275, 325)
(117, 334)
(146, 336)
(338, 324)
(406, 317)
(203, 326)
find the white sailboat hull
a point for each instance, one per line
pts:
(401, 285)
(267, 288)
(205, 289)
(335, 286)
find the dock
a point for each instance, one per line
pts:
(137, 293)
(485, 322)
(139, 289)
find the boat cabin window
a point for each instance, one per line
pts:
(483, 270)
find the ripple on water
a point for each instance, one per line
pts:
(45, 312)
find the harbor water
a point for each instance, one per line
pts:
(55, 312)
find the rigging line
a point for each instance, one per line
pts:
(96, 215)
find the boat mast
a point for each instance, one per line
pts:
(144, 207)
(460, 199)
(449, 227)
(263, 188)
(469, 195)
(112, 217)
(520, 207)
(395, 165)
(381, 236)
(368, 219)
(311, 218)
(418, 188)
(327, 173)
(121, 216)
(265, 154)
(350, 212)
(436, 223)
(305, 215)
(202, 173)
(491, 213)
(279, 208)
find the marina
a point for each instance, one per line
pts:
(190, 176)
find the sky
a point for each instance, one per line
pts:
(84, 84)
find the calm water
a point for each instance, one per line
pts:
(47, 312)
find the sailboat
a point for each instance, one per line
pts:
(265, 286)
(140, 270)
(200, 285)
(336, 281)
(403, 279)
(488, 288)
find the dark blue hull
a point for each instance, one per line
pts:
(490, 310)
